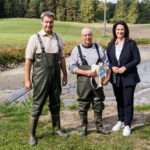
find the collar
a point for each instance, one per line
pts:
(121, 43)
(87, 46)
(43, 33)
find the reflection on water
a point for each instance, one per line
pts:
(142, 92)
(144, 71)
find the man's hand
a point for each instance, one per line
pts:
(64, 80)
(63, 68)
(90, 73)
(28, 85)
(108, 77)
(106, 81)
(28, 64)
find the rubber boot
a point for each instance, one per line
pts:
(98, 123)
(56, 126)
(84, 123)
(33, 124)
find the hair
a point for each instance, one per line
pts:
(85, 29)
(47, 13)
(126, 35)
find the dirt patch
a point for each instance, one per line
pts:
(70, 120)
(135, 31)
(141, 144)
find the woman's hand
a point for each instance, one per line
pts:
(115, 69)
(122, 70)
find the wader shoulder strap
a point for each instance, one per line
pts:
(58, 43)
(99, 59)
(84, 62)
(41, 43)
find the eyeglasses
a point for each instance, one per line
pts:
(85, 35)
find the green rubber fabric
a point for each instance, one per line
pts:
(88, 95)
(47, 83)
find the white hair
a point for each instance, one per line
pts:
(84, 29)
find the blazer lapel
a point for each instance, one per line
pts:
(114, 53)
(123, 50)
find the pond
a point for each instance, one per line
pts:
(69, 96)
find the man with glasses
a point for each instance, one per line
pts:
(82, 57)
(45, 52)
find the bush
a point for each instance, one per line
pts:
(12, 55)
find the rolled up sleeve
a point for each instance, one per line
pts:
(73, 61)
(104, 58)
(31, 47)
(61, 45)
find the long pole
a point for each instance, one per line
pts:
(105, 18)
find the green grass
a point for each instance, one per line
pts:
(142, 41)
(16, 31)
(142, 108)
(15, 133)
(144, 25)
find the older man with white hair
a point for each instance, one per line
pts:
(82, 57)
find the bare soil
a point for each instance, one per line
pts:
(135, 31)
(70, 120)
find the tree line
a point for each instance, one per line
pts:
(131, 11)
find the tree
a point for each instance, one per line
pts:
(52, 5)
(42, 7)
(2, 8)
(33, 11)
(7, 8)
(21, 8)
(133, 13)
(72, 10)
(61, 10)
(144, 11)
(87, 10)
(100, 11)
(110, 10)
(121, 10)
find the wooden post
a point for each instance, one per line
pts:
(105, 18)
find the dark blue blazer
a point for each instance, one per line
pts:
(130, 58)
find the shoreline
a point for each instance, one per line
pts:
(12, 80)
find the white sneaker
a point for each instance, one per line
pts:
(126, 131)
(119, 125)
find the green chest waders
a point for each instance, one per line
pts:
(88, 95)
(47, 82)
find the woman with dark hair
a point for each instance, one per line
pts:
(124, 56)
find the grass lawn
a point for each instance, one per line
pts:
(16, 31)
(15, 133)
(144, 25)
